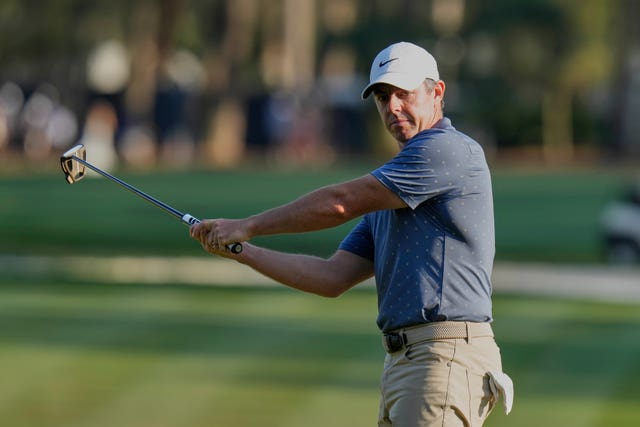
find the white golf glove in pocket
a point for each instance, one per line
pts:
(502, 386)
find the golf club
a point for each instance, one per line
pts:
(73, 163)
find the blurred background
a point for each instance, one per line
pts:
(169, 81)
(228, 107)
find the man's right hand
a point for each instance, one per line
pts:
(216, 234)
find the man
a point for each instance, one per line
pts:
(427, 234)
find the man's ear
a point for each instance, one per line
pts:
(439, 89)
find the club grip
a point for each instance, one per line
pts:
(234, 248)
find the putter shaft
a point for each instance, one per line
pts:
(140, 193)
(185, 218)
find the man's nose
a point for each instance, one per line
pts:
(394, 103)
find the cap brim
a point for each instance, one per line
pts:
(394, 79)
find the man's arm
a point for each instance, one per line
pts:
(326, 207)
(326, 277)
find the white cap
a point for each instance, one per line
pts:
(403, 65)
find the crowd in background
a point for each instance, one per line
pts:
(222, 82)
(185, 125)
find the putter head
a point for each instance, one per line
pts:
(73, 169)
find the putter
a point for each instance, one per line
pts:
(74, 166)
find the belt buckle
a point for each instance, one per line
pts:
(394, 341)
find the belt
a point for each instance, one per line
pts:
(401, 338)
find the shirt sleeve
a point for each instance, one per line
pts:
(360, 240)
(428, 167)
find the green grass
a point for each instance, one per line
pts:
(552, 216)
(539, 216)
(104, 355)
(574, 363)
(43, 214)
(92, 355)
(80, 354)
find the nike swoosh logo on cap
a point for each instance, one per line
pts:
(383, 63)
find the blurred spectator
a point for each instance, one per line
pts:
(224, 144)
(182, 79)
(11, 104)
(280, 114)
(302, 138)
(33, 122)
(47, 125)
(108, 68)
(62, 127)
(288, 127)
(108, 73)
(340, 87)
(99, 135)
(138, 147)
(4, 130)
(173, 136)
(258, 135)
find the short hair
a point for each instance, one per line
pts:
(430, 84)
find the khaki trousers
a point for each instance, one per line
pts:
(442, 383)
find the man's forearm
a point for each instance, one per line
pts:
(302, 272)
(320, 209)
(323, 208)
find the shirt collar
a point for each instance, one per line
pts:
(444, 124)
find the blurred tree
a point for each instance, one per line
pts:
(588, 61)
(543, 61)
(625, 139)
(524, 42)
(526, 73)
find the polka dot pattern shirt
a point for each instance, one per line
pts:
(432, 260)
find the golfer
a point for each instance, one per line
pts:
(426, 234)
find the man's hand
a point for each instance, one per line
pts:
(215, 234)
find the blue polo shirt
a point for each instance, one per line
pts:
(433, 260)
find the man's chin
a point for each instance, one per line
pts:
(402, 135)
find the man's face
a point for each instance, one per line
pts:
(405, 113)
